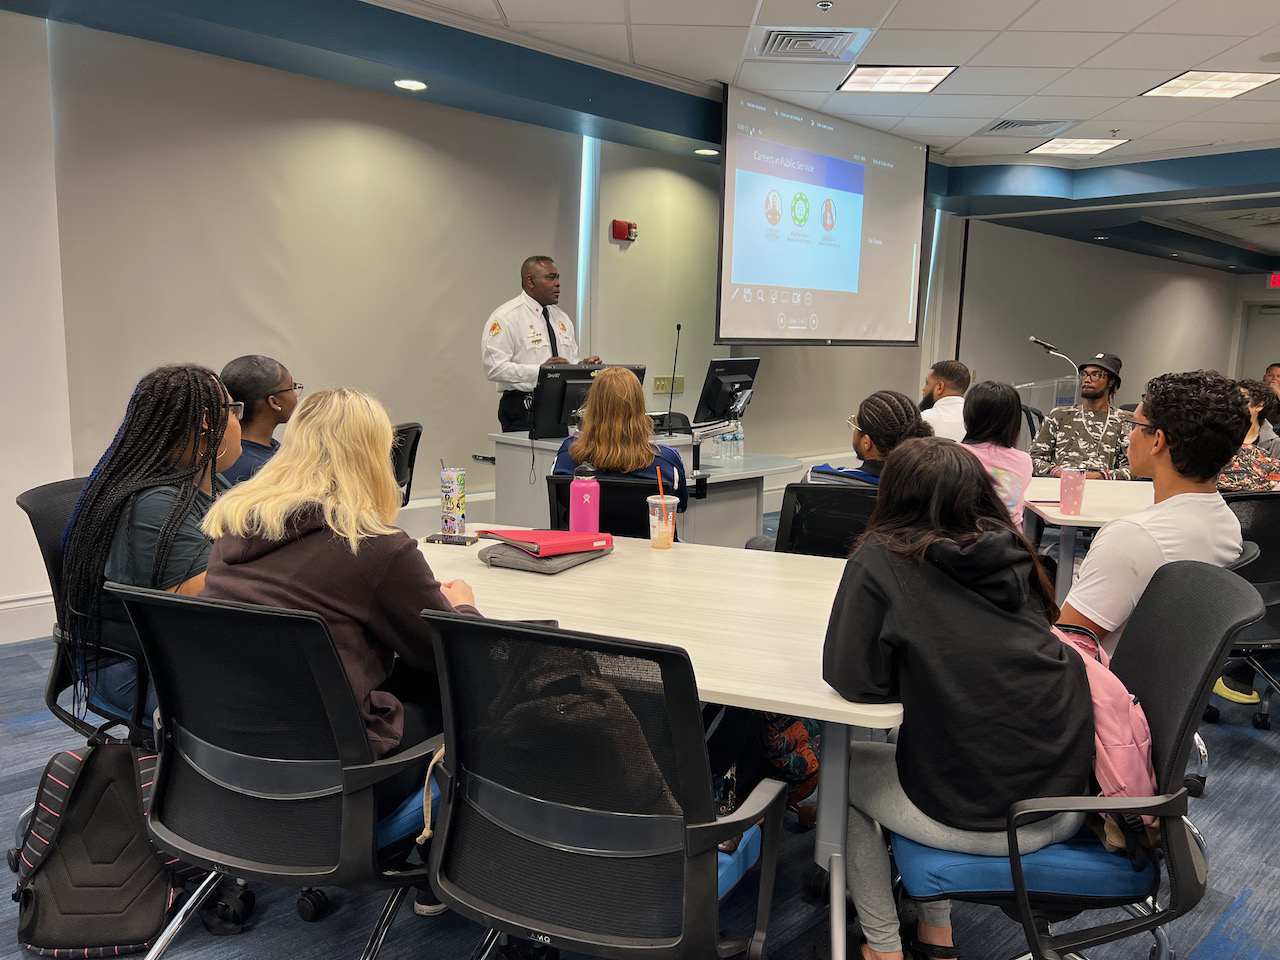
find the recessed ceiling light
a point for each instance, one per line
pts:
(415, 85)
(707, 152)
(1211, 83)
(1078, 146)
(894, 79)
(1101, 238)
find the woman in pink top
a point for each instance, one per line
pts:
(992, 419)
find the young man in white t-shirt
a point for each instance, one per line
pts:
(1181, 436)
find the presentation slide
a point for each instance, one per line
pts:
(821, 228)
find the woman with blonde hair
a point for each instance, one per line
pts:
(615, 433)
(314, 529)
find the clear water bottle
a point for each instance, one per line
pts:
(742, 441)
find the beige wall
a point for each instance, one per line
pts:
(33, 372)
(1156, 315)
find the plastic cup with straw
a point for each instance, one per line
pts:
(661, 521)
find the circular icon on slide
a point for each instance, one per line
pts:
(828, 215)
(772, 207)
(782, 321)
(799, 209)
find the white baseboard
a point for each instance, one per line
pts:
(24, 618)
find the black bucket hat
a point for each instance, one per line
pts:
(1108, 362)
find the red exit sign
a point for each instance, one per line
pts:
(1273, 281)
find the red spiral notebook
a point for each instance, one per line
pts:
(550, 543)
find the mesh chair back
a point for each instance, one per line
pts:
(258, 721)
(823, 520)
(624, 507)
(1034, 418)
(1259, 516)
(1172, 649)
(574, 762)
(49, 508)
(404, 453)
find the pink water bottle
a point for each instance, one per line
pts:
(584, 501)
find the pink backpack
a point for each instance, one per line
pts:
(1121, 736)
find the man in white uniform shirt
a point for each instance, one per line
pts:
(1181, 436)
(522, 335)
(942, 405)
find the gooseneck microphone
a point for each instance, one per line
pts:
(671, 393)
(1038, 342)
(1049, 348)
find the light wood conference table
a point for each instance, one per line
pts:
(752, 622)
(1104, 500)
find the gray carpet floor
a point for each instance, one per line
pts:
(1237, 920)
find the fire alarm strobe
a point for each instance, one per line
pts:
(624, 230)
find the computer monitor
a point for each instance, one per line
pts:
(727, 389)
(560, 393)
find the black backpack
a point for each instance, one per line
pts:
(89, 877)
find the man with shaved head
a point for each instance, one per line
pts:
(524, 334)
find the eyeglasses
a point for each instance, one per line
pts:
(1093, 374)
(1133, 423)
(296, 388)
(852, 422)
(236, 407)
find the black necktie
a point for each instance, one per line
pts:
(551, 333)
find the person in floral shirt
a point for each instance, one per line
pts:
(1254, 466)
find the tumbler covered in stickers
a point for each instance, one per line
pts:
(453, 500)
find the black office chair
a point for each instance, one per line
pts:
(1129, 407)
(1259, 645)
(49, 508)
(624, 505)
(674, 422)
(578, 764)
(1034, 419)
(404, 452)
(264, 768)
(1173, 648)
(822, 519)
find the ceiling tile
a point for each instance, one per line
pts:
(789, 13)
(938, 128)
(939, 144)
(1125, 129)
(564, 11)
(1112, 15)
(1246, 57)
(1087, 82)
(701, 12)
(1042, 49)
(993, 146)
(999, 80)
(698, 53)
(602, 39)
(970, 15)
(1167, 109)
(1244, 17)
(874, 104)
(1242, 111)
(1218, 132)
(1151, 51)
(1269, 92)
(801, 98)
(926, 48)
(759, 74)
(940, 106)
(1062, 108)
(1147, 147)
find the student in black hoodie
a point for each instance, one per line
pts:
(944, 607)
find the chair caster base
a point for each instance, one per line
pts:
(313, 904)
(1262, 721)
(818, 887)
(1194, 784)
(1212, 714)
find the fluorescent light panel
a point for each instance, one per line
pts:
(1212, 83)
(894, 79)
(414, 85)
(1076, 146)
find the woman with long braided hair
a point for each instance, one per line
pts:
(138, 519)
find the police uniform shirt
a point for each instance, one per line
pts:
(513, 344)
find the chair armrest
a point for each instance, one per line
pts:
(768, 799)
(365, 775)
(1169, 805)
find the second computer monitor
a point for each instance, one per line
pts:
(560, 393)
(727, 389)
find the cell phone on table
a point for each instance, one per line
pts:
(454, 539)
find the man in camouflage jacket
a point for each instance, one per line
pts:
(1090, 434)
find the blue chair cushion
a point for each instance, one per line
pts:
(734, 866)
(406, 819)
(1079, 867)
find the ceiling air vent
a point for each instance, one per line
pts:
(807, 45)
(1027, 128)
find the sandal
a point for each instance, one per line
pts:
(917, 950)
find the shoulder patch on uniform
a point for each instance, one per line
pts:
(495, 328)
